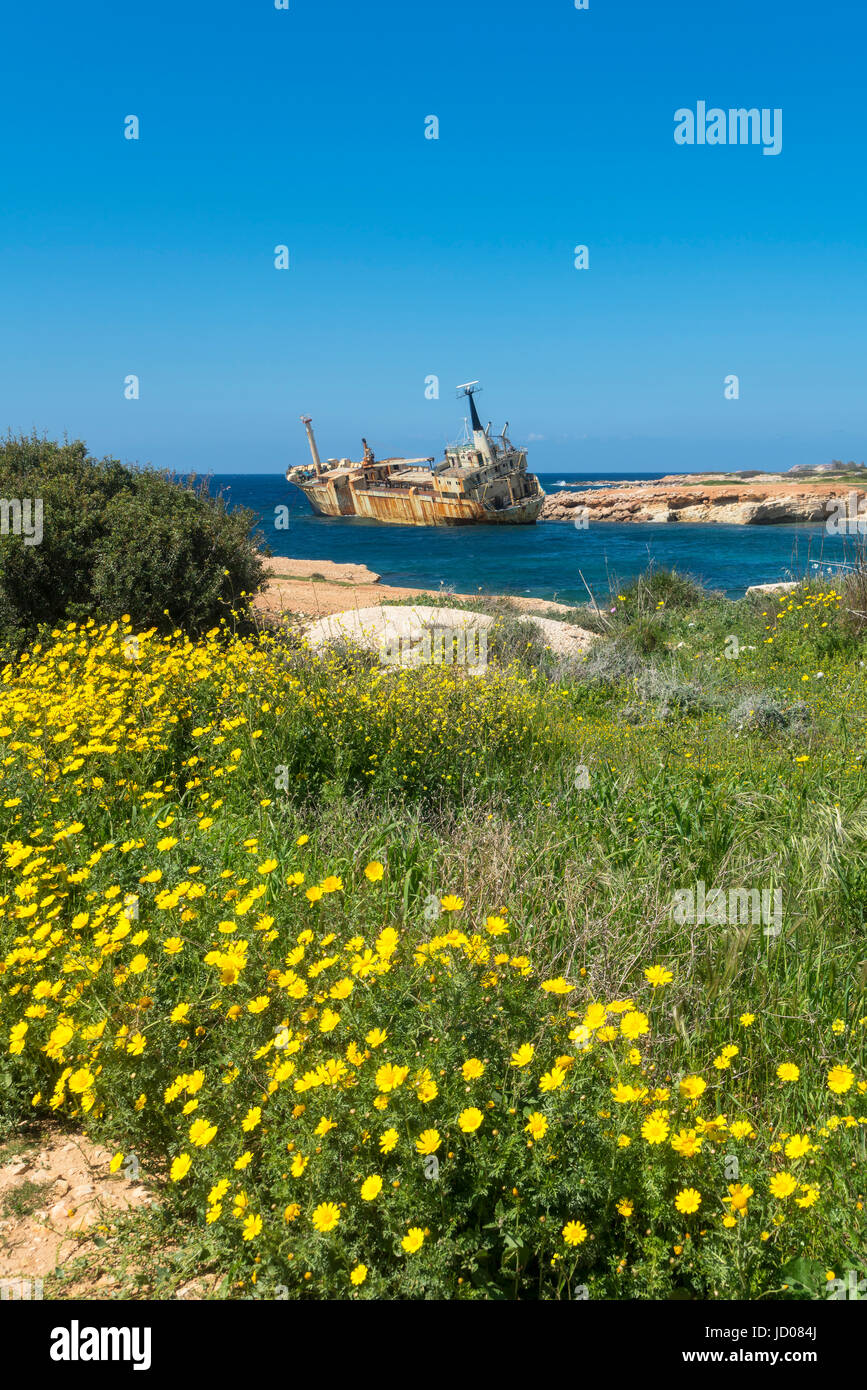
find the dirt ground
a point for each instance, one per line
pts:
(318, 588)
(56, 1196)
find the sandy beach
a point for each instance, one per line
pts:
(318, 588)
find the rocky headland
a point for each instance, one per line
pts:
(764, 500)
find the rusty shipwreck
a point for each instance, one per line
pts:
(483, 478)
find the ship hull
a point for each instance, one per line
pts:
(412, 507)
(418, 510)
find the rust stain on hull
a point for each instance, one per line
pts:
(416, 509)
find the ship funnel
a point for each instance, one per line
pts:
(480, 438)
(311, 440)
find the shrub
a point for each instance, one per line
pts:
(769, 715)
(673, 695)
(654, 590)
(118, 540)
(612, 661)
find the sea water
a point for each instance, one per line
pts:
(553, 559)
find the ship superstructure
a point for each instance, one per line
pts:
(483, 478)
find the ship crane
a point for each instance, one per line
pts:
(311, 440)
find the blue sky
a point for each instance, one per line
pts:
(452, 257)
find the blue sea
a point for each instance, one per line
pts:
(552, 559)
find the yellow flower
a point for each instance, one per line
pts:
(116, 1161)
(374, 871)
(389, 1077)
(80, 1080)
(375, 1037)
(388, 1141)
(552, 1079)
(655, 1129)
(657, 975)
(787, 1071)
(413, 1240)
(782, 1185)
(536, 1126)
(302, 839)
(624, 1094)
(691, 1087)
(574, 1233)
(625, 1207)
(739, 1195)
(634, 1024)
(496, 926)
(201, 1133)
(358, 1274)
(840, 1079)
(797, 1146)
(470, 1119)
(524, 1055)
(472, 1069)
(595, 1016)
(747, 1019)
(740, 1129)
(180, 1167)
(687, 1200)
(428, 1141)
(686, 1143)
(450, 903)
(325, 1217)
(370, 1188)
(252, 1227)
(252, 1118)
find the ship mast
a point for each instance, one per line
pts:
(480, 436)
(311, 440)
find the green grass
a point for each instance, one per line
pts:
(700, 741)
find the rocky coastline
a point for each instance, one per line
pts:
(765, 501)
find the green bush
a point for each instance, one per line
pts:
(118, 540)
